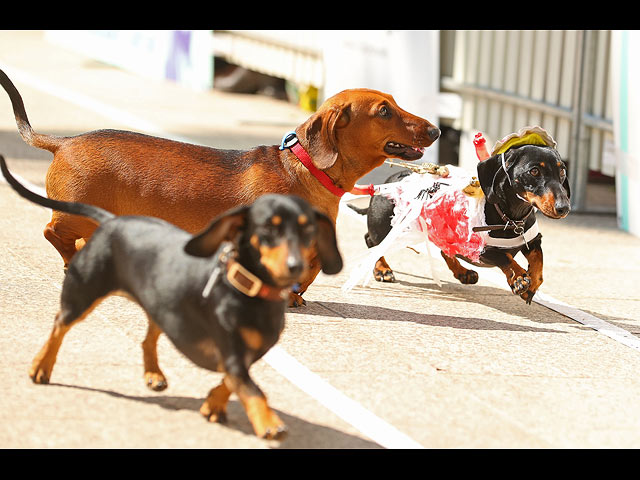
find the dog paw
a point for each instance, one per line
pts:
(39, 375)
(384, 275)
(155, 381)
(296, 300)
(468, 278)
(528, 296)
(520, 284)
(272, 429)
(275, 433)
(214, 414)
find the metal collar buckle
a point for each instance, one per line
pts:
(289, 140)
(517, 226)
(243, 280)
(518, 229)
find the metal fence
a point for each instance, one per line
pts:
(557, 79)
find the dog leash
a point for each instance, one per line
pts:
(290, 141)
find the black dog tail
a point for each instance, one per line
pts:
(93, 212)
(361, 211)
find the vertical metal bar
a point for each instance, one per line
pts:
(579, 164)
(567, 83)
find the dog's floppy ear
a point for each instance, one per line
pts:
(565, 185)
(223, 228)
(492, 175)
(327, 244)
(488, 173)
(320, 132)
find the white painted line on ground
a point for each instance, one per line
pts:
(347, 409)
(333, 399)
(84, 101)
(612, 331)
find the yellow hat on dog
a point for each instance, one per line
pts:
(532, 135)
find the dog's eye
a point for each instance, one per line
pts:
(384, 112)
(534, 171)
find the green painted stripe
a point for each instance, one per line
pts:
(624, 92)
(624, 203)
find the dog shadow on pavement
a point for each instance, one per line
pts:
(463, 296)
(301, 434)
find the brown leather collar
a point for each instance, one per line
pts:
(246, 282)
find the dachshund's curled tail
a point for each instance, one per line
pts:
(38, 140)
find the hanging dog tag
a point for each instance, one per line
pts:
(212, 279)
(223, 258)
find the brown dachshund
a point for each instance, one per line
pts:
(129, 173)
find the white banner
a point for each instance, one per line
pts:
(625, 77)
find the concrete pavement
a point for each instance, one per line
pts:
(451, 366)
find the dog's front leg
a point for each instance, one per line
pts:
(265, 422)
(517, 278)
(462, 274)
(214, 407)
(534, 257)
(295, 298)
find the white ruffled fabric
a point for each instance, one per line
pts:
(444, 218)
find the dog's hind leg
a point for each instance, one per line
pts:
(382, 271)
(153, 376)
(379, 225)
(64, 229)
(464, 275)
(87, 283)
(43, 363)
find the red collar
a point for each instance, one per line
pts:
(290, 140)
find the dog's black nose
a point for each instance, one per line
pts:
(295, 266)
(563, 209)
(433, 133)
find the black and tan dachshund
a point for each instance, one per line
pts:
(220, 296)
(526, 178)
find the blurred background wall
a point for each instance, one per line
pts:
(573, 83)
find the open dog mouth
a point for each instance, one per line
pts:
(402, 151)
